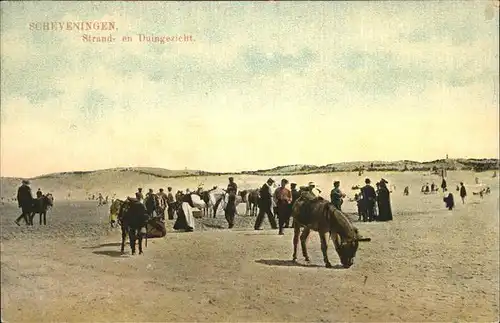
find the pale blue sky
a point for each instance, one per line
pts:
(264, 84)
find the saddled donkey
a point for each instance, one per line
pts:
(132, 218)
(317, 214)
(41, 205)
(251, 198)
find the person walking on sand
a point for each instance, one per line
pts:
(265, 204)
(463, 192)
(24, 201)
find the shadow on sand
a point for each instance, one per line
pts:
(291, 263)
(111, 244)
(110, 253)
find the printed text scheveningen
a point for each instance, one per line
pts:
(72, 25)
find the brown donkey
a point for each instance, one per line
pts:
(319, 215)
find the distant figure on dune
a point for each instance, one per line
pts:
(433, 187)
(406, 192)
(448, 200)
(100, 199)
(443, 185)
(477, 180)
(463, 192)
(494, 174)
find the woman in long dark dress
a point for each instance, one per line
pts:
(384, 203)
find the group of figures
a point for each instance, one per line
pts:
(448, 197)
(31, 206)
(374, 204)
(310, 212)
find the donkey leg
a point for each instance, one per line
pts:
(324, 248)
(44, 218)
(296, 234)
(139, 238)
(41, 218)
(124, 235)
(132, 237)
(303, 239)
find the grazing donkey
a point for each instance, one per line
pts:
(317, 214)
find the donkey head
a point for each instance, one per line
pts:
(347, 249)
(49, 200)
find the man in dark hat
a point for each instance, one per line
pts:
(265, 204)
(24, 201)
(283, 201)
(336, 196)
(232, 187)
(368, 203)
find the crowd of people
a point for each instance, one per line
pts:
(274, 201)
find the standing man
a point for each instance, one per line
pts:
(284, 200)
(230, 210)
(24, 201)
(232, 187)
(265, 204)
(369, 198)
(336, 196)
(463, 192)
(139, 195)
(170, 203)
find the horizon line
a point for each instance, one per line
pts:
(255, 170)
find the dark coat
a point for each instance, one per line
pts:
(384, 205)
(265, 196)
(24, 196)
